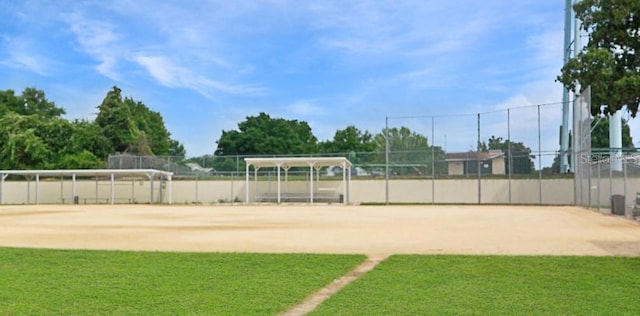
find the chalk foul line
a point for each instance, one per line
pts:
(313, 301)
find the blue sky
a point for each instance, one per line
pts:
(206, 65)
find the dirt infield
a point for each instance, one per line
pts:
(518, 230)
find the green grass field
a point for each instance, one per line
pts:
(66, 282)
(493, 285)
(73, 282)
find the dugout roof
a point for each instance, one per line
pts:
(288, 162)
(151, 174)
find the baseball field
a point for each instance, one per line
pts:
(325, 259)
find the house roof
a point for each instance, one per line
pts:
(474, 155)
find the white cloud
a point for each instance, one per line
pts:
(99, 39)
(305, 108)
(21, 55)
(167, 74)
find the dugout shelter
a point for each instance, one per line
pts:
(286, 163)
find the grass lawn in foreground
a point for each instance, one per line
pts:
(493, 285)
(79, 282)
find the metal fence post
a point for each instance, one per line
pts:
(386, 160)
(509, 160)
(479, 164)
(433, 163)
(539, 160)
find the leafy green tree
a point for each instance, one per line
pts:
(36, 103)
(88, 136)
(264, 135)
(600, 139)
(22, 147)
(350, 139)
(521, 156)
(609, 62)
(82, 160)
(116, 121)
(31, 102)
(412, 151)
(34, 135)
(10, 102)
(600, 134)
(176, 149)
(151, 124)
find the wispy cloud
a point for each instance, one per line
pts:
(305, 108)
(100, 40)
(21, 55)
(165, 72)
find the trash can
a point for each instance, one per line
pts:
(617, 204)
(76, 199)
(341, 198)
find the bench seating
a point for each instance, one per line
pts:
(319, 197)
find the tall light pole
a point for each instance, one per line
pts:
(564, 129)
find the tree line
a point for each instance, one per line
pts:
(34, 135)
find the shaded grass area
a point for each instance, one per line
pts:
(493, 285)
(78, 282)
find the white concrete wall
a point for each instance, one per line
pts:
(523, 191)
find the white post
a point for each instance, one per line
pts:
(278, 166)
(113, 191)
(348, 197)
(615, 140)
(73, 188)
(344, 183)
(37, 188)
(151, 191)
(311, 183)
(4, 175)
(255, 182)
(246, 184)
(170, 190)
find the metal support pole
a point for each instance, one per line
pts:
(74, 193)
(278, 165)
(113, 191)
(345, 196)
(509, 154)
(37, 189)
(255, 182)
(433, 163)
(311, 183)
(479, 164)
(4, 176)
(564, 135)
(62, 189)
(539, 160)
(624, 183)
(588, 181)
(599, 176)
(151, 196)
(386, 160)
(610, 176)
(246, 184)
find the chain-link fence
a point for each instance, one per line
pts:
(498, 157)
(507, 155)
